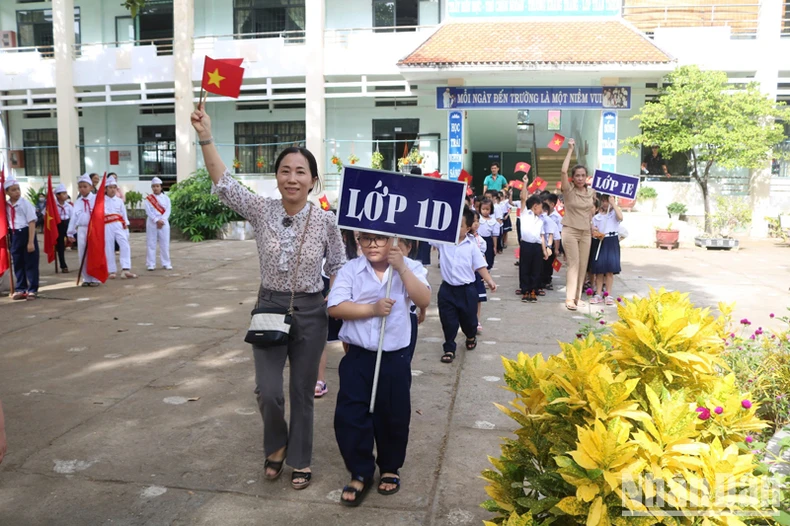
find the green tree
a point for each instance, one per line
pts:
(711, 122)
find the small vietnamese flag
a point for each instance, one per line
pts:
(96, 264)
(537, 184)
(522, 167)
(324, 202)
(5, 256)
(51, 222)
(435, 174)
(469, 191)
(556, 265)
(223, 76)
(518, 185)
(559, 185)
(465, 177)
(556, 142)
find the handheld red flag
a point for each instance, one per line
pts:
(559, 185)
(537, 184)
(51, 222)
(96, 265)
(5, 255)
(223, 77)
(518, 185)
(435, 174)
(556, 142)
(465, 177)
(556, 265)
(469, 191)
(324, 202)
(522, 167)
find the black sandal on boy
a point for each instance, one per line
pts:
(389, 480)
(448, 357)
(359, 494)
(471, 344)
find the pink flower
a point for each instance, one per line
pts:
(751, 337)
(719, 410)
(772, 315)
(603, 322)
(704, 413)
(590, 292)
(749, 439)
(746, 404)
(605, 294)
(619, 300)
(745, 322)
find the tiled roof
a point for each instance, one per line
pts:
(536, 42)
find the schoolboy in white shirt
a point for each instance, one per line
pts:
(21, 216)
(533, 249)
(116, 230)
(78, 224)
(550, 234)
(458, 295)
(358, 298)
(65, 210)
(157, 226)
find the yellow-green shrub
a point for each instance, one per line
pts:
(646, 402)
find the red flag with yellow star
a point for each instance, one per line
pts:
(5, 255)
(51, 222)
(324, 202)
(556, 142)
(522, 167)
(223, 76)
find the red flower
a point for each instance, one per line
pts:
(746, 404)
(704, 413)
(719, 410)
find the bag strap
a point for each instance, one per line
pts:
(299, 260)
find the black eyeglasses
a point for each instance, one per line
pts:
(377, 241)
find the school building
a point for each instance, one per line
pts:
(86, 87)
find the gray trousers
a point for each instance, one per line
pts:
(306, 344)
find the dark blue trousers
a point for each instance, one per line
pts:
(530, 267)
(356, 429)
(413, 341)
(25, 263)
(424, 253)
(490, 252)
(457, 306)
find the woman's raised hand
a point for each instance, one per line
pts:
(201, 122)
(571, 143)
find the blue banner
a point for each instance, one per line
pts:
(608, 160)
(455, 123)
(504, 98)
(611, 183)
(504, 8)
(396, 204)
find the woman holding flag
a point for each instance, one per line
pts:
(292, 237)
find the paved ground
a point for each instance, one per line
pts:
(96, 386)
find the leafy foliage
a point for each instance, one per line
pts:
(701, 116)
(33, 194)
(377, 160)
(614, 417)
(731, 213)
(197, 212)
(646, 192)
(134, 6)
(676, 208)
(133, 199)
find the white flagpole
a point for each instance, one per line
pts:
(600, 243)
(381, 338)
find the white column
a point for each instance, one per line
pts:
(68, 122)
(769, 27)
(315, 105)
(183, 32)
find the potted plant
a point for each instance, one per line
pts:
(647, 195)
(237, 165)
(731, 213)
(377, 160)
(414, 158)
(353, 159)
(667, 237)
(626, 205)
(675, 210)
(260, 162)
(338, 163)
(137, 215)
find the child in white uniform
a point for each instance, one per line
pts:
(157, 227)
(116, 230)
(78, 224)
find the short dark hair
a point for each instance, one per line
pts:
(552, 198)
(532, 201)
(111, 174)
(468, 216)
(311, 163)
(416, 170)
(350, 240)
(485, 202)
(495, 163)
(544, 195)
(546, 206)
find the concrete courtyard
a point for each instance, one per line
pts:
(132, 403)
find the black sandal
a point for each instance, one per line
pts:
(305, 475)
(448, 357)
(389, 480)
(471, 344)
(359, 494)
(277, 466)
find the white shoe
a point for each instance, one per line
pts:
(150, 269)
(168, 268)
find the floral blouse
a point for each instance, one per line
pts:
(278, 244)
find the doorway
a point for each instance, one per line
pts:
(157, 151)
(156, 25)
(397, 136)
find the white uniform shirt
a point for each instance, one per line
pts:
(481, 243)
(501, 210)
(488, 227)
(459, 262)
(65, 210)
(81, 215)
(152, 213)
(531, 227)
(114, 205)
(22, 212)
(549, 227)
(606, 223)
(357, 282)
(557, 218)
